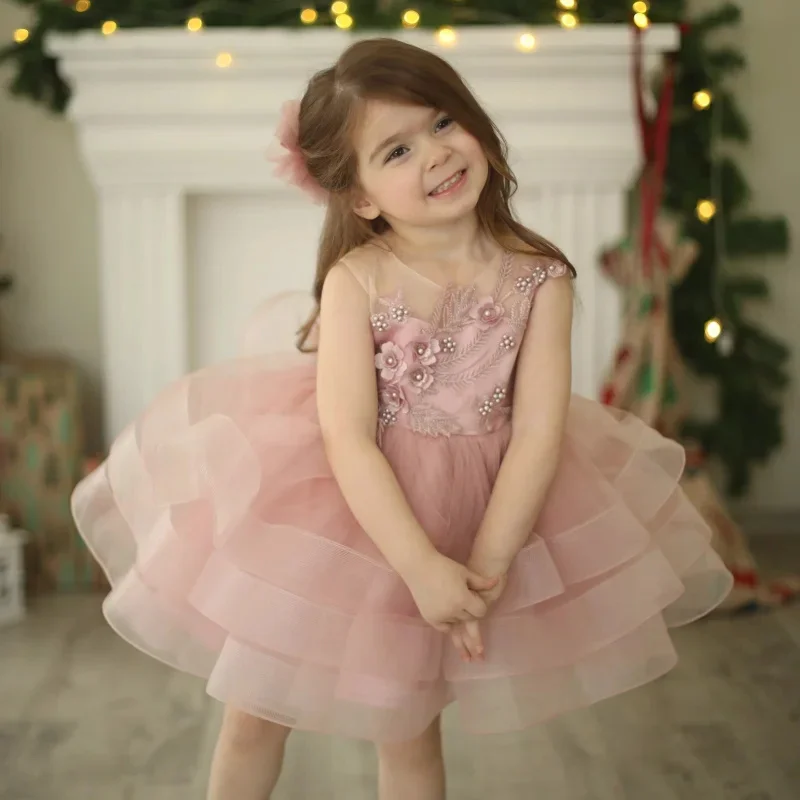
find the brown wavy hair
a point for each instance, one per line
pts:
(388, 69)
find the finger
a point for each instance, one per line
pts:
(472, 639)
(475, 606)
(442, 627)
(460, 646)
(480, 584)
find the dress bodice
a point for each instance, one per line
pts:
(445, 356)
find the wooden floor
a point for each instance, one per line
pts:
(85, 717)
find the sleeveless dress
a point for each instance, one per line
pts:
(233, 555)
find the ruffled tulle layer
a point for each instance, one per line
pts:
(233, 556)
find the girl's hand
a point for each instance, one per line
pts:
(446, 592)
(466, 636)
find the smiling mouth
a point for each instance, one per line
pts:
(449, 184)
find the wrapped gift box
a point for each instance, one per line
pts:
(41, 435)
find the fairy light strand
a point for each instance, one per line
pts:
(715, 327)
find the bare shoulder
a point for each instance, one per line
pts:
(365, 262)
(342, 290)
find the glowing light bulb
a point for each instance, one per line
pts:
(308, 16)
(702, 99)
(568, 4)
(339, 7)
(641, 20)
(640, 7)
(194, 24)
(344, 21)
(446, 36)
(411, 18)
(706, 210)
(712, 330)
(224, 60)
(82, 5)
(568, 20)
(108, 27)
(21, 35)
(526, 42)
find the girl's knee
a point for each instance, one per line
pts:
(426, 747)
(244, 731)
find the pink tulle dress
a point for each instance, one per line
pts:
(234, 556)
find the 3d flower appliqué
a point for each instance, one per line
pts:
(391, 361)
(488, 312)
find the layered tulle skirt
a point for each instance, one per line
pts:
(233, 556)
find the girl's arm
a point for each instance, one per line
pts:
(541, 401)
(347, 400)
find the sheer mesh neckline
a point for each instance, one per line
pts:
(494, 266)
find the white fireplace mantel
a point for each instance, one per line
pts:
(160, 125)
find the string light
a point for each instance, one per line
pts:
(224, 60)
(641, 20)
(194, 24)
(640, 7)
(446, 36)
(712, 330)
(344, 21)
(108, 27)
(82, 5)
(706, 210)
(21, 35)
(308, 16)
(568, 4)
(526, 42)
(410, 18)
(568, 20)
(339, 7)
(702, 99)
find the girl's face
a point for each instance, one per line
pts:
(416, 166)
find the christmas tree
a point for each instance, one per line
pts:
(704, 187)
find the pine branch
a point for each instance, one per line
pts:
(751, 236)
(724, 60)
(728, 14)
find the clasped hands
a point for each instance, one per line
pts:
(453, 597)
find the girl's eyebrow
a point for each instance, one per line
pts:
(387, 141)
(396, 136)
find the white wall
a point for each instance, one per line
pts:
(47, 219)
(47, 227)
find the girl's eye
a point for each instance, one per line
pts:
(397, 152)
(443, 123)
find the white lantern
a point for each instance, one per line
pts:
(12, 574)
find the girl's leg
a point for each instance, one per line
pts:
(413, 769)
(247, 759)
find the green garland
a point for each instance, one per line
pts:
(750, 378)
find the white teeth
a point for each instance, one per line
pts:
(443, 187)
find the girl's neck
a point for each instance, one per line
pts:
(453, 244)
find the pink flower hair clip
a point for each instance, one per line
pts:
(290, 166)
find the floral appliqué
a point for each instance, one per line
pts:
(426, 352)
(391, 361)
(469, 340)
(488, 312)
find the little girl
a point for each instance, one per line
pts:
(414, 511)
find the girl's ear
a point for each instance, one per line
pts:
(366, 208)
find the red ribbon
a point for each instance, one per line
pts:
(654, 134)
